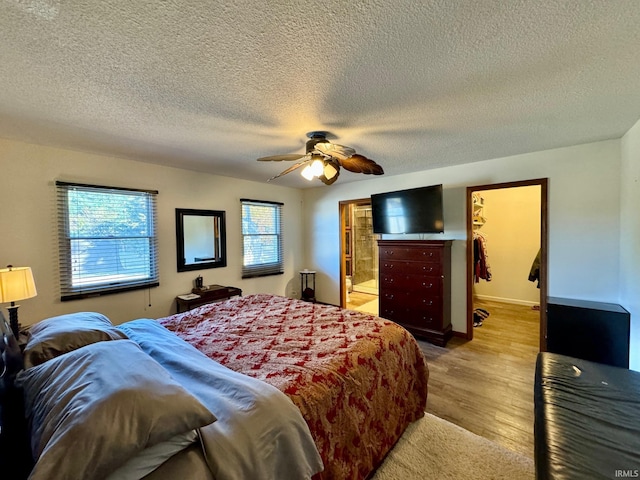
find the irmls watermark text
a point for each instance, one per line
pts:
(628, 473)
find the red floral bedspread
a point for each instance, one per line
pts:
(358, 380)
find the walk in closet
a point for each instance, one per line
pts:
(506, 233)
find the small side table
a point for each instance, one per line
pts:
(308, 285)
(205, 295)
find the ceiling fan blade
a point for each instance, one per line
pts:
(290, 169)
(335, 150)
(280, 158)
(361, 164)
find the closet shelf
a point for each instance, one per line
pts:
(478, 218)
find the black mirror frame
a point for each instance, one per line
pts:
(182, 265)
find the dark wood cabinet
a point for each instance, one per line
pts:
(205, 295)
(415, 286)
(594, 331)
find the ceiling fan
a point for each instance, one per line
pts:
(323, 160)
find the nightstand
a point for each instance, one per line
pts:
(205, 295)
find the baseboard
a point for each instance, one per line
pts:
(513, 301)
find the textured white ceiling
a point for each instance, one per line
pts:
(211, 86)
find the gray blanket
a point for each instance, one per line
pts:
(259, 434)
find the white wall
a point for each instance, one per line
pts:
(584, 223)
(512, 233)
(29, 227)
(630, 237)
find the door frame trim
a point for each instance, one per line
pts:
(544, 245)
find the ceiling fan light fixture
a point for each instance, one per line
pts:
(307, 173)
(329, 171)
(317, 166)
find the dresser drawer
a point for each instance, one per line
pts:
(411, 300)
(413, 317)
(429, 255)
(398, 267)
(419, 284)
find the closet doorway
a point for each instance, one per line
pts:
(480, 213)
(359, 257)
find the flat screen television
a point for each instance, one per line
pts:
(416, 210)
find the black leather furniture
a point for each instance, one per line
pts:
(587, 419)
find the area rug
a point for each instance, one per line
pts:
(369, 307)
(432, 448)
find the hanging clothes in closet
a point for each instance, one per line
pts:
(534, 274)
(481, 268)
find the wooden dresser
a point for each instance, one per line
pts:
(415, 286)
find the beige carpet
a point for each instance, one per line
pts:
(432, 448)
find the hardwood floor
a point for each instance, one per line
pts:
(486, 385)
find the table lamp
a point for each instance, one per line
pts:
(16, 283)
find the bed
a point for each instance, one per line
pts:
(358, 380)
(272, 388)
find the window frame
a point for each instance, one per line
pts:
(71, 291)
(266, 268)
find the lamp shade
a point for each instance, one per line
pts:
(16, 283)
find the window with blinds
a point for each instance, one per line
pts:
(261, 238)
(107, 239)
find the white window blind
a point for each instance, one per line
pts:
(107, 239)
(261, 238)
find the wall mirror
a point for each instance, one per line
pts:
(200, 239)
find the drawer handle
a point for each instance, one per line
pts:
(425, 302)
(430, 268)
(430, 253)
(424, 284)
